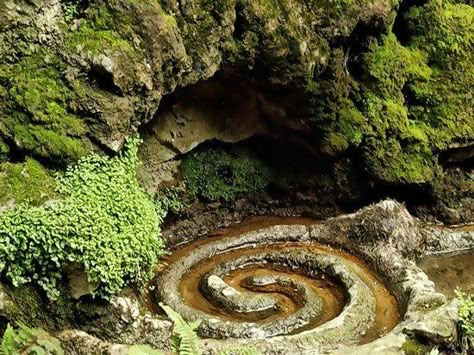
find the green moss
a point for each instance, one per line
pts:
(88, 39)
(336, 142)
(409, 102)
(218, 174)
(444, 31)
(418, 97)
(28, 306)
(389, 66)
(37, 111)
(413, 347)
(103, 30)
(28, 181)
(352, 125)
(276, 35)
(387, 116)
(390, 161)
(44, 142)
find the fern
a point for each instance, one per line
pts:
(184, 340)
(31, 341)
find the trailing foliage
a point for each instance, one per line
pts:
(218, 174)
(104, 222)
(29, 341)
(466, 321)
(185, 339)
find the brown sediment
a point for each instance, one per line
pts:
(331, 291)
(450, 271)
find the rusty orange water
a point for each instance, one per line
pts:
(331, 292)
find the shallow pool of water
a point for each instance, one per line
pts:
(330, 291)
(449, 271)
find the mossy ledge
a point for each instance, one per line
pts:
(394, 100)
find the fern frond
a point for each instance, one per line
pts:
(185, 341)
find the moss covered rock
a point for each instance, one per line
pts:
(80, 76)
(25, 182)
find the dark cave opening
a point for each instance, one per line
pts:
(274, 125)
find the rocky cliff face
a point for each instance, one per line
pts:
(388, 83)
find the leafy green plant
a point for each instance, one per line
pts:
(466, 320)
(185, 339)
(219, 174)
(104, 221)
(170, 199)
(70, 9)
(29, 341)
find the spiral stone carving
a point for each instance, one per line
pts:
(293, 287)
(242, 288)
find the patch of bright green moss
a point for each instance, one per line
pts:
(102, 30)
(390, 161)
(410, 102)
(36, 113)
(95, 41)
(28, 181)
(444, 31)
(418, 97)
(45, 142)
(390, 65)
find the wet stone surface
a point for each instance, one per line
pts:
(250, 259)
(450, 271)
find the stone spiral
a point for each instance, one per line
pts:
(275, 284)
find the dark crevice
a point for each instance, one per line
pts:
(461, 157)
(15, 155)
(181, 9)
(358, 44)
(411, 194)
(3, 325)
(401, 26)
(240, 23)
(410, 96)
(104, 80)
